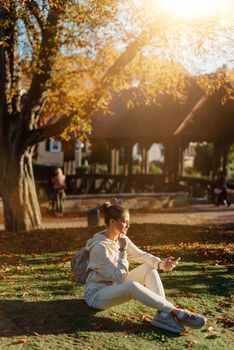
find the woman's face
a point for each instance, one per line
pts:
(122, 225)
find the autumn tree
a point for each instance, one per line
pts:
(32, 33)
(36, 102)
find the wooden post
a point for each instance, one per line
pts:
(145, 157)
(220, 156)
(128, 159)
(172, 162)
(114, 161)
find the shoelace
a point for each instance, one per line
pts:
(192, 316)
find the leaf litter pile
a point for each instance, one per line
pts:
(42, 307)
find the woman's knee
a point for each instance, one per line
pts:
(132, 285)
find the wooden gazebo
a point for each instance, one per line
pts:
(169, 122)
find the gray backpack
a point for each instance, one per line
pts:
(79, 265)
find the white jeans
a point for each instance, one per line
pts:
(143, 284)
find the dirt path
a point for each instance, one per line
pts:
(192, 215)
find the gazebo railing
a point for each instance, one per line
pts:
(107, 183)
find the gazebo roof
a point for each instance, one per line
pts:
(200, 118)
(209, 120)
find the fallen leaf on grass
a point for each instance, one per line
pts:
(191, 295)
(21, 340)
(145, 317)
(65, 258)
(226, 304)
(99, 327)
(190, 343)
(228, 322)
(184, 334)
(4, 277)
(212, 336)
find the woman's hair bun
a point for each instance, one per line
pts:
(108, 204)
(105, 206)
(112, 210)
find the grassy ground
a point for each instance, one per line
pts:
(42, 308)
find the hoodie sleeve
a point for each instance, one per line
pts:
(138, 255)
(105, 267)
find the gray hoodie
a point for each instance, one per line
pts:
(109, 265)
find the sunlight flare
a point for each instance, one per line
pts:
(195, 9)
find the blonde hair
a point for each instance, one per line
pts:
(58, 171)
(112, 210)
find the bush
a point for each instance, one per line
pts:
(203, 161)
(155, 169)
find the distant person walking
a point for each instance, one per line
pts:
(220, 193)
(58, 186)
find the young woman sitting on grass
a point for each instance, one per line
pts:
(110, 282)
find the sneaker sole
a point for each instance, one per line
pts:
(193, 326)
(168, 328)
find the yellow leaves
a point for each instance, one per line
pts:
(6, 4)
(224, 100)
(56, 4)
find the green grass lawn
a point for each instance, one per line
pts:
(41, 307)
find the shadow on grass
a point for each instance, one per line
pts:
(207, 282)
(20, 318)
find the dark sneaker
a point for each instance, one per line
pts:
(167, 321)
(188, 318)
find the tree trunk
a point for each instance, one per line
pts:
(17, 187)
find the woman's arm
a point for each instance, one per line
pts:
(138, 255)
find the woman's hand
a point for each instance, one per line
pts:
(122, 241)
(168, 264)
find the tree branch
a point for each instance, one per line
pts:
(39, 80)
(37, 135)
(3, 75)
(121, 62)
(9, 70)
(31, 29)
(36, 12)
(191, 116)
(47, 53)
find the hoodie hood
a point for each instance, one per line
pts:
(98, 238)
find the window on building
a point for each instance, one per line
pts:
(53, 146)
(79, 145)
